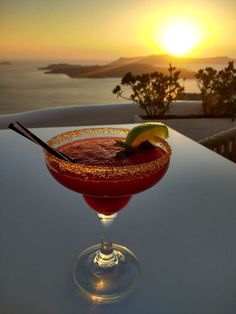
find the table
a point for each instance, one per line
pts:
(182, 231)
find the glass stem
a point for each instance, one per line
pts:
(106, 257)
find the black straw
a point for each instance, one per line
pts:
(22, 130)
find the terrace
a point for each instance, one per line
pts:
(183, 117)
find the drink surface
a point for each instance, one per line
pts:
(107, 191)
(101, 152)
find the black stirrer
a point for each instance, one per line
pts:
(22, 130)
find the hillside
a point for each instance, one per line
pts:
(166, 59)
(110, 70)
(136, 65)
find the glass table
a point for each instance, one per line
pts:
(186, 223)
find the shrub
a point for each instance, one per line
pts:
(218, 90)
(152, 91)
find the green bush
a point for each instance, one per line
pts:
(152, 91)
(218, 90)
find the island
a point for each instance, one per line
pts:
(115, 69)
(5, 62)
(136, 65)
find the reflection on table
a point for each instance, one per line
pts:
(182, 231)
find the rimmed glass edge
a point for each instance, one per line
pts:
(104, 171)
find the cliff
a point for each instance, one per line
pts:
(136, 65)
(110, 70)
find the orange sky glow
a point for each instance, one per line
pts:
(103, 30)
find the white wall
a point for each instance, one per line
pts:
(74, 115)
(120, 113)
(197, 129)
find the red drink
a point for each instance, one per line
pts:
(106, 272)
(106, 182)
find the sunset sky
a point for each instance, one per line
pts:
(109, 29)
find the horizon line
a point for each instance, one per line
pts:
(8, 59)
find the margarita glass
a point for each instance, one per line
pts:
(106, 272)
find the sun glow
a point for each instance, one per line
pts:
(180, 37)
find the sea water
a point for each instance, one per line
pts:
(23, 87)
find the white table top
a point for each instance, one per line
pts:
(183, 232)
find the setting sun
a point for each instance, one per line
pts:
(180, 37)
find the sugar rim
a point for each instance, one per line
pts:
(102, 171)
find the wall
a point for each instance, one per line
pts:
(74, 115)
(196, 129)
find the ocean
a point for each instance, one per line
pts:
(23, 87)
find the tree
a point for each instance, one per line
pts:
(152, 91)
(218, 90)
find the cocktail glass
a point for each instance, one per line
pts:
(106, 272)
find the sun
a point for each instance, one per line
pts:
(180, 37)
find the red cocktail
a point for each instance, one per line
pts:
(107, 184)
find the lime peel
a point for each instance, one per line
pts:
(149, 131)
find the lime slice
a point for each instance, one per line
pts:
(149, 131)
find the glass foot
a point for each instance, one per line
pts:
(107, 282)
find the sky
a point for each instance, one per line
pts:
(110, 29)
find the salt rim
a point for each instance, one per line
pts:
(83, 170)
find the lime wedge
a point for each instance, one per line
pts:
(149, 131)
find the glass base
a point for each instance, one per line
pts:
(107, 282)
